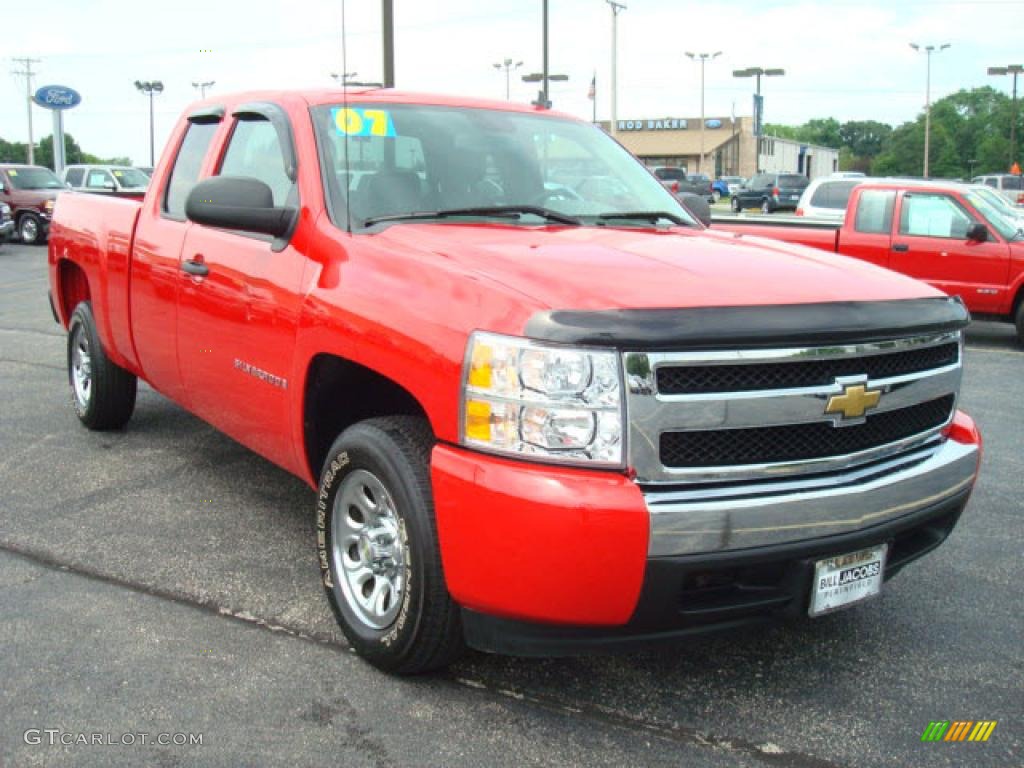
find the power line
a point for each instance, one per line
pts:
(28, 74)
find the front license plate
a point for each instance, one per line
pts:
(847, 579)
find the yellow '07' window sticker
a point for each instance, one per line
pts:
(359, 121)
(13, 172)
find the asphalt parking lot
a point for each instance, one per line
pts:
(162, 580)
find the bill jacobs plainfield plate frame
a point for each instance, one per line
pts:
(844, 580)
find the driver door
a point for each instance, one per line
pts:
(237, 322)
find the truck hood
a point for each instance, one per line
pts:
(593, 268)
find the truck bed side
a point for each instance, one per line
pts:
(825, 237)
(90, 258)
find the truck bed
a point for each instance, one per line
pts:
(96, 233)
(823, 235)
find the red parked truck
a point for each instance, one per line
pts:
(539, 422)
(945, 233)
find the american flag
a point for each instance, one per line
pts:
(593, 87)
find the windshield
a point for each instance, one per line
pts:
(34, 178)
(130, 178)
(1008, 226)
(791, 181)
(405, 159)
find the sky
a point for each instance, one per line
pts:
(848, 59)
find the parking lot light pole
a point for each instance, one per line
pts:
(150, 87)
(508, 66)
(703, 58)
(1012, 69)
(757, 72)
(201, 87)
(929, 50)
(614, 121)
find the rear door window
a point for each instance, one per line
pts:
(75, 176)
(187, 166)
(874, 211)
(793, 181)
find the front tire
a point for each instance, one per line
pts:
(30, 229)
(1019, 321)
(102, 393)
(378, 551)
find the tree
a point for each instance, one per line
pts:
(864, 138)
(12, 152)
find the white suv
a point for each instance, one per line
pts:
(826, 197)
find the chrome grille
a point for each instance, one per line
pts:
(799, 442)
(696, 379)
(753, 414)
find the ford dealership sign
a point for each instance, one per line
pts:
(57, 97)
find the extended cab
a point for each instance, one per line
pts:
(945, 233)
(539, 422)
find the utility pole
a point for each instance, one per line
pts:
(388, 31)
(616, 8)
(757, 72)
(702, 58)
(1012, 69)
(929, 50)
(544, 93)
(508, 66)
(28, 74)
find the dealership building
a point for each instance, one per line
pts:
(730, 147)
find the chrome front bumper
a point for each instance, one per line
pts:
(705, 519)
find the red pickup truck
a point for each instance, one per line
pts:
(945, 233)
(538, 421)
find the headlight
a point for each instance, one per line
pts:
(48, 206)
(544, 402)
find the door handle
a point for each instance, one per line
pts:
(196, 267)
(900, 247)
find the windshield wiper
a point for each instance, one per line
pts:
(497, 211)
(652, 216)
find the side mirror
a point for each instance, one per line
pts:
(234, 202)
(697, 206)
(977, 233)
(2, 187)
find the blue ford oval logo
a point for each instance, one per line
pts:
(57, 97)
(712, 123)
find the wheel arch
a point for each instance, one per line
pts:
(338, 392)
(72, 288)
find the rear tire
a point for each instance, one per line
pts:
(766, 207)
(377, 547)
(1019, 321)
(715, 195)
(102, 393)
(736, 208)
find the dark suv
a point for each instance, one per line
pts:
(30, 190)
(770, 192)
(677, 181)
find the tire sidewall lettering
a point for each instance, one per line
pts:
(340, 462)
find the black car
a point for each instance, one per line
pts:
(770, 192)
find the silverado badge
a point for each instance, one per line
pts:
(853, 403)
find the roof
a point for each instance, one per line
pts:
(363, 95)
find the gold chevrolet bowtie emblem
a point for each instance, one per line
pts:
(854, 402)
